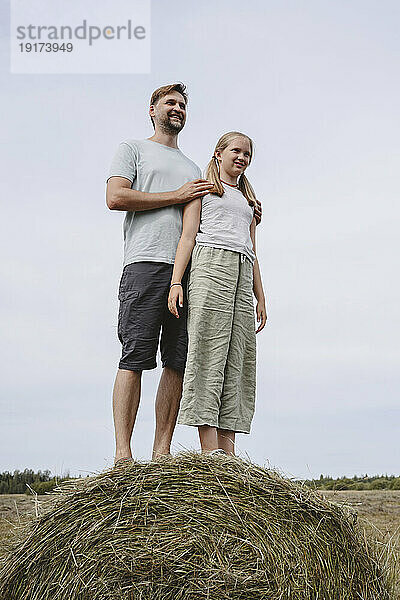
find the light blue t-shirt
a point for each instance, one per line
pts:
(152, 235)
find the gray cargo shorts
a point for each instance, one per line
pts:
(143, 313)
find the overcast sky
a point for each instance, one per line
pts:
(316, 85)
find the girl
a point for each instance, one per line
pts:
(220, 376)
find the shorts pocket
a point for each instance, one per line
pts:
(127, 294)
(126, 305)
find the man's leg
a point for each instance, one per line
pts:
(167, 406)
(126, 398)
(173, 347)
(142, 293)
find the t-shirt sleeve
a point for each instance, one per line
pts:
(124, 163)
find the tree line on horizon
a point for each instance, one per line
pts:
(28, 481)
(367, 482)
(41, 482)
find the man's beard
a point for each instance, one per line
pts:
(170, 127)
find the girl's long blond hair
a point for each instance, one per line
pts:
(212, 172)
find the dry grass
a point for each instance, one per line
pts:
(194, 528)
(379, 518)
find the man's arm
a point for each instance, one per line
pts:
(120, 196)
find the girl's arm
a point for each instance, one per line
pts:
(190, 227)
(257, 283)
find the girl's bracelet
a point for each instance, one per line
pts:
(178, 283)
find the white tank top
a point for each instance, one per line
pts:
(225, 222)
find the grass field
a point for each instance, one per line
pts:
(378, 515)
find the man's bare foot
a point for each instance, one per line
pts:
(161, 455)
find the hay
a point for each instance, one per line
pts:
(192, 527)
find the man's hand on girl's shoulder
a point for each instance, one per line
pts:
(192, 190)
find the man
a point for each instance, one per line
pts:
(151, 180)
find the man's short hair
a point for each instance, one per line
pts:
(165, 90)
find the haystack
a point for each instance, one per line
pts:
(191, 527)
